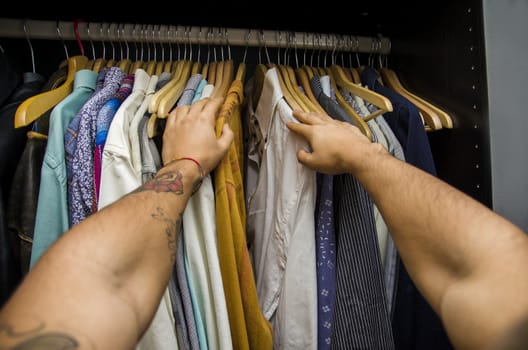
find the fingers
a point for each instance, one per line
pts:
(311, 118)
(301, 129)
(304, 157)
(206, 107)
(226, 138)
(213, 105)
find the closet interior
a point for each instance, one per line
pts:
(433, 55)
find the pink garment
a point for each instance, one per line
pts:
(98, 156)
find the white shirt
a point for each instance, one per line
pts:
(199, 230)
(118, 176)
(160, 334)
(133, 132)
(281, 225)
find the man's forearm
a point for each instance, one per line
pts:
(119, 259)
(450, 243)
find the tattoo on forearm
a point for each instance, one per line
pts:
(167, 182)
(34, 340)
(171, 229)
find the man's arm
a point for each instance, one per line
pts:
(468, 262)
(99, 285)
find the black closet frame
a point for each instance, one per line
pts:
(437, 50)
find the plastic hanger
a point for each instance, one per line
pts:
(35, 106)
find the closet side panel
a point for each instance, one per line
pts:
(505, 29)
(439, 54)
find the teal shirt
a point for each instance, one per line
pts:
(52, 210)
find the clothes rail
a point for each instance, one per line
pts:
(162, 33)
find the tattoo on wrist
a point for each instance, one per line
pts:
(171, 229)
(33, 339)
(166, 182)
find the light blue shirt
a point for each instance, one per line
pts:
(52, 210)
(199, 90)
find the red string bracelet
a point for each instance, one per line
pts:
(198, 184)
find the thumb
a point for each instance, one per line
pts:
(226, 137)
(304, 157)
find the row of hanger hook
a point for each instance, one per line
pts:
(321, 47)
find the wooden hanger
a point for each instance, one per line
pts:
(160, 66)
(174, 91)
(428, 112)
(258, 82)
(222, 86)
(356, 118)
(356, 78)
(168, 66)
(152, 125)
(311, 105)
(434, 117)
(197, 66)
(35, 106)
(288, 95)
(125, 65)
(137, 64)
(169, 99)
(302, 76)
(218, 72)
(150, 67)
(158, 95)
(241, 72)
(205, 70)
(211, 74)
(383, 103)
(111, 63)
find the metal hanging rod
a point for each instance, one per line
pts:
(162, 33)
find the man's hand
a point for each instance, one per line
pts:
(337, 147)
(190, 132)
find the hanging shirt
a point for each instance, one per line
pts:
(189, 90)
(82, 187)
(118, 176)
(167, 329)
(379, 137)
(52, 209)
(326, 247)
(23, 197)
(12, 143)
(104, 118)
(195, 327)
(203, 266)
(415, 324)
(281, 225)
(199, 90)
(391, 255)
(134, 132)
(71, 134)
(360, 312)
